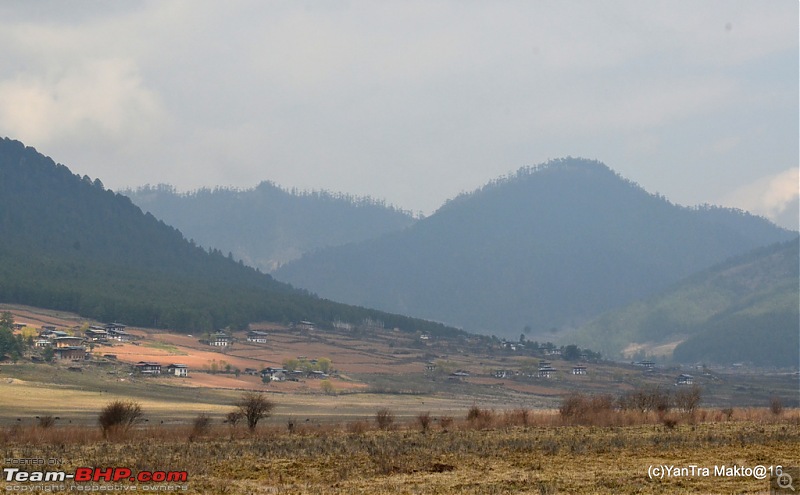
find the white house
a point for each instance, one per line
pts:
(178, 370)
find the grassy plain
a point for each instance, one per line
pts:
(539, 455)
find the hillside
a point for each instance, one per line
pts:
(551, 246)
(71, 244)
(268, 226)
(743, 310)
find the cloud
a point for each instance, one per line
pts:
(96, 99)
(412, 101)
(771, 196)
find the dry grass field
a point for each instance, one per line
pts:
(504, 452)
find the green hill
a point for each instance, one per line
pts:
(549, 247)
(70, 244)
(268, 226)
(743, 310)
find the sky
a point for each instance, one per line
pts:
(411, 101)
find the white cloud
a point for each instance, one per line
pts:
(97, 99)
(769, 196)
(413, 101)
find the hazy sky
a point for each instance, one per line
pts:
(410, 101)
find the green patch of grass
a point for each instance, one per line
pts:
(164, 346)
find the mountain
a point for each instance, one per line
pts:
(742, 310)
(71, 244)
(551, 246)
(268, 226)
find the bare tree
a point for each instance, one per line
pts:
(688, 399)
(253, 406)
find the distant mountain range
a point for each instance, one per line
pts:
(567, 250)
(268, 226)
(550, 247)
(743, 310)
(71, 244)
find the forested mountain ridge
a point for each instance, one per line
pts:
(742, 310)
(548, 247)
(71, 244)
(268, 226)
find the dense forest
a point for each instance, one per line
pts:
(267, 226)
(548, 247)
(71, 244)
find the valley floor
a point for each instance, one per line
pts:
(465, 458)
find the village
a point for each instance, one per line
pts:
(303, 358)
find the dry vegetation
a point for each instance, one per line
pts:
(483, 451)
(412, 433)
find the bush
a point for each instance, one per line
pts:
(445, 422)
(200, 426)
(253, 407)
(776, 405)
(357, 427)
(687, 399)
(327, 387)
(583, 409)
(45, 421)
(233, 418)
(646, 400)
(119, 416)
(384, 419)
(424, 421)
(669, 422)
(480, 418)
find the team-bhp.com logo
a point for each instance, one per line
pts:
(87, 474)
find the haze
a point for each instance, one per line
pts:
(413, 102)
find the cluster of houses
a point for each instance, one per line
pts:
(545, 370)
(547, 349)
(72, 347)
(224, 339)
(150, 368)
(649, 366)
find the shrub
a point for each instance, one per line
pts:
(572, 406)
(445, 422)
(327, 387)
(646, 399)
(200, 426)
(687, 399)
(45, 421)
(474, 413)
(253, 407)
(480, 418)
(776, 405)
(233, 418)
(357, 427)
(119, 415)
(424, 421)
(582, 409)
(669, 421)
(384, 419)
